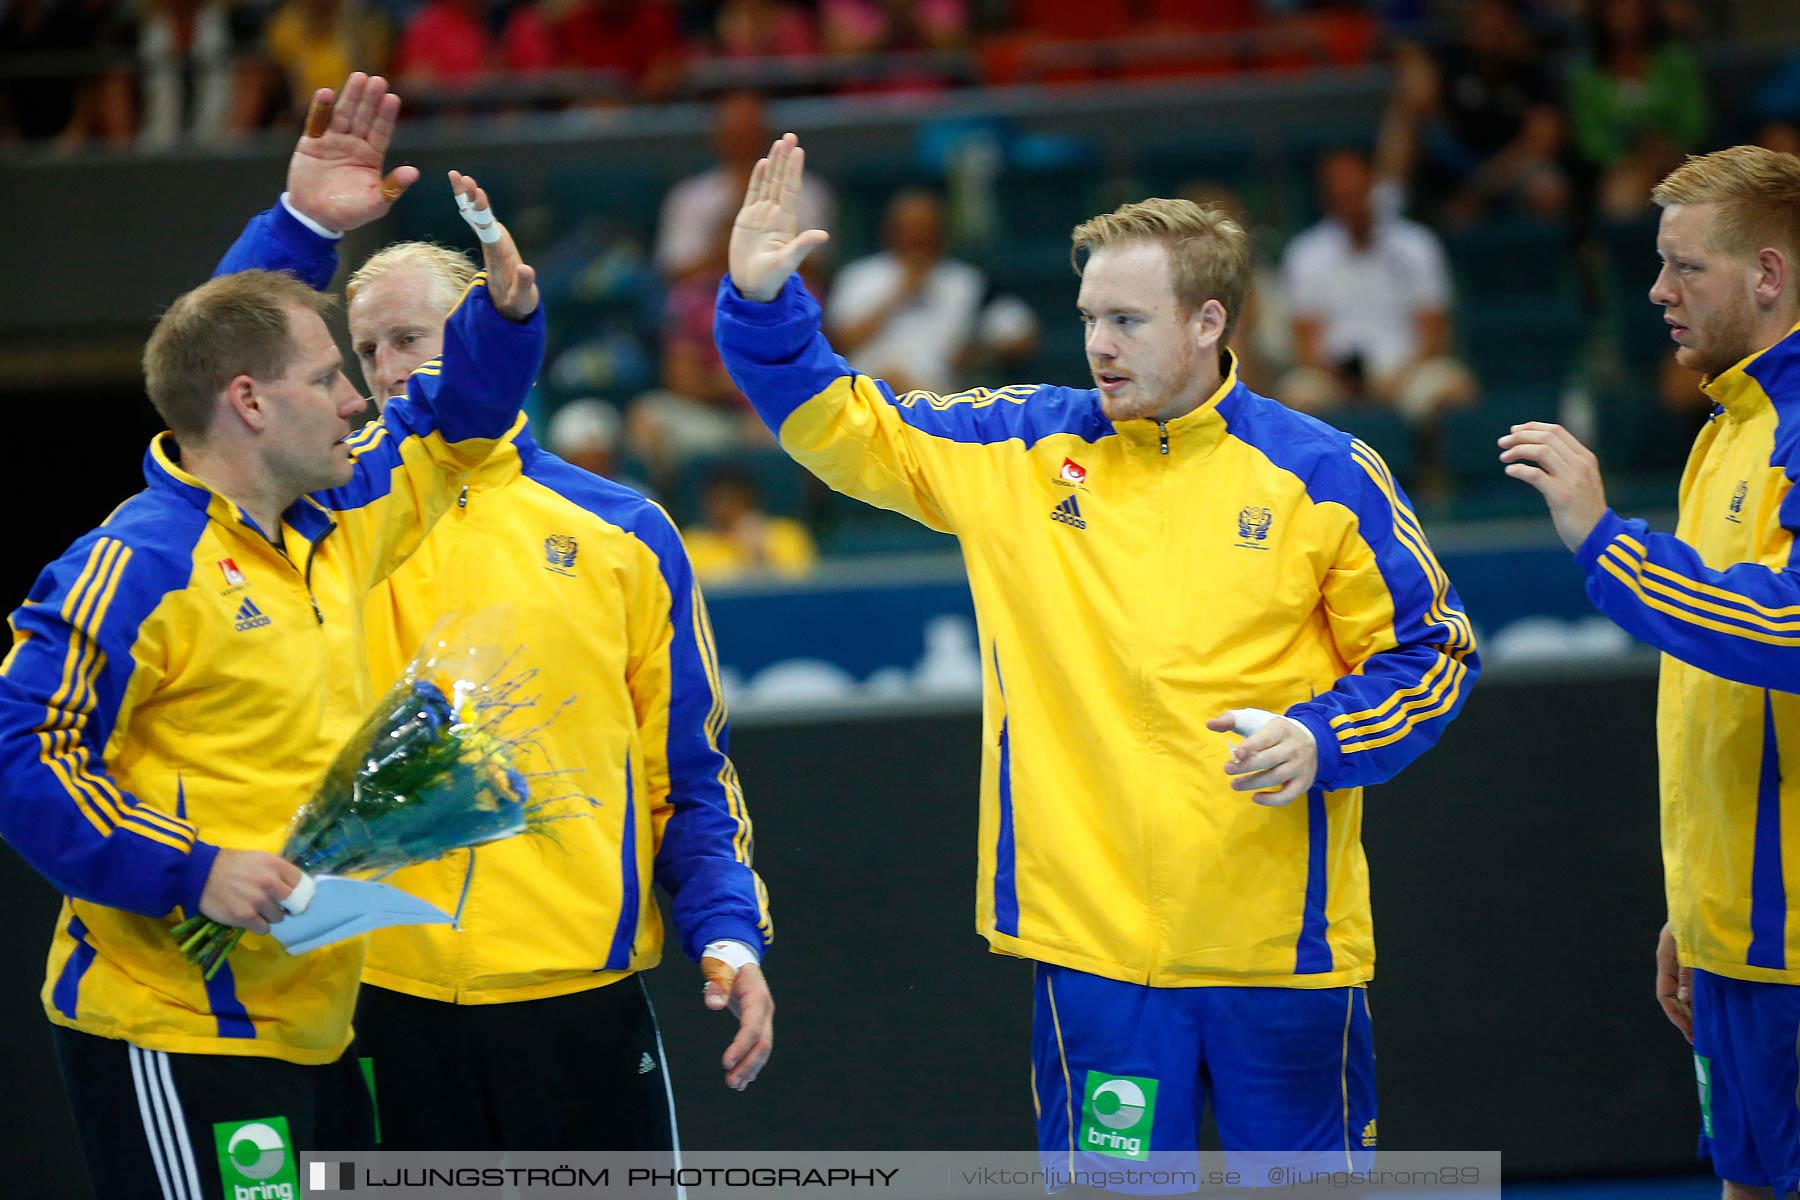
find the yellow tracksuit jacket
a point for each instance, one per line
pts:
(1131, 581)
(1721, 599)
(177, 684)
(603, 601)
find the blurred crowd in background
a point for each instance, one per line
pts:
(1478, 255)
(154, 71)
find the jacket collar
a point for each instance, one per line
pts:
(1195, 432)
(1738, 390)
(163, 473)
(511, 456)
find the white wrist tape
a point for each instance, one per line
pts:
(301, 897)
(481, 220)
(1249, 720)
(732, 953)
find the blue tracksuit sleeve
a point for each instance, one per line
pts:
(410, 464)
(473, 391)
(1399, 624)
(1742, 623)
(706, 847)
(847, 428)
(275, 240)
(775, 352)
(69, 681)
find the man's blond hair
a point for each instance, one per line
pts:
(1757, 191)
(1209, 253)
(451, 271)
(230, 326)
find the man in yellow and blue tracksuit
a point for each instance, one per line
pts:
(178, 682)
(1721, 599)
(1144, 556)
(539, 986)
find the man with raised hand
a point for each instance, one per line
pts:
(1156, 562)
(542, 986)
(180, 679)
(1719, 598)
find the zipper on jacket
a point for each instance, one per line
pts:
(311, 552)
(1157, 870)
(462, 499)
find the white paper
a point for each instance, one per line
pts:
(340, 908)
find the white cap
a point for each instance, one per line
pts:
(582, 425)
(1005, 320)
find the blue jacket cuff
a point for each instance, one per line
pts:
(1610, 527)
(1331, 759)
(750, 312)
(726, 928)
(295, 224)
(191, 880)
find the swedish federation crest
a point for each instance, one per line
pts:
(1253, 526)
(559, 553)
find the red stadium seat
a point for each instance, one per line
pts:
(1074, 18)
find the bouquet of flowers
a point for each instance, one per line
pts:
(430, 771)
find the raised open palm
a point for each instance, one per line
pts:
(335, 175)
(766, 245)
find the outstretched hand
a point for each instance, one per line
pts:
(334, 176)
(512, 285)
(746, 994)
(766, 245)
(1565, 473)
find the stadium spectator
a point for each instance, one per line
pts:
(77, 107)
(1637, 103)
(1481, 121)
(1006, 336)
(861, 28)
(1074, 20)
(190, 76)
(1369, 293)
(636, 40)
(763, 29)
(446, 41)
(887, 26)
(737, 537)
(585, 433)
(698, 410)
(698, 207)
(317, 43)
(909, 312)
